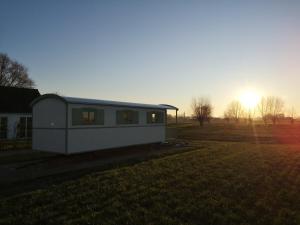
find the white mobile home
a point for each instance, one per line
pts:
(71, 125)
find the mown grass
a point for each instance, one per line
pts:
(243, 132)
(223, 183)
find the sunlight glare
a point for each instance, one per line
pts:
(249, 99)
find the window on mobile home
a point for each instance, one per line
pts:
(155, 117)
(127, 117)
(87, 116)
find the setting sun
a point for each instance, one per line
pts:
(249, 99)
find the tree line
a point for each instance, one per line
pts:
(269, 109)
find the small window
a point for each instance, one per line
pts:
(29, 127)
(87, 116)
(24, 127)
(3, 127)
(155, 117)
(127, 117)
(21, 128)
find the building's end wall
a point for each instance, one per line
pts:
(49, 140)
(49, 125)
(49, 113)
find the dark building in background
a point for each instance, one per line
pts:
(16, 112)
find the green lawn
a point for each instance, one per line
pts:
(253, 133)
(220, 183)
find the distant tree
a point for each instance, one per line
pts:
(13, 74)
(170, 118)
(226, 117)
(249, 114)
(208, 112)
(234, 111)
(271, 108)
(202, 110)
(264, 109)
(291, 114)
(276, 105)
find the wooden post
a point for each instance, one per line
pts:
(176, 115)
(166, 117)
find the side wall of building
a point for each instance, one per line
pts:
(110, 134)
(49, 125)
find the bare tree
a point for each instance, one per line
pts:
(263, 109)
(202, 110)
(249, 114)
(276, 105)
(234, 111)
(291, 115)
(271, 108)
(226, 116)
(208, 111)
(13, 74)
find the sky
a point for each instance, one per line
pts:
(157, 51)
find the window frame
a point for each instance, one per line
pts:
(159, 114)
(132, 114)
(78, 118)
(3, 130)
(24, 127)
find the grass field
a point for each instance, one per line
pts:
(237, 174)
